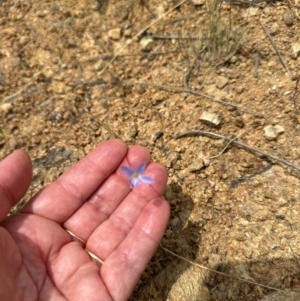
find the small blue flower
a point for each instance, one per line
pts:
(136, 176)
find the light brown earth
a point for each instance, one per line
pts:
(233, 211)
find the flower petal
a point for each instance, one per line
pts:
(134, 182)
(127, 171)
(141, 168)
(146, 179)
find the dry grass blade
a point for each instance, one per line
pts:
(226, 146)
(276, 49)
(13, 96)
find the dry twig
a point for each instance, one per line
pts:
(295, 94)
(189, 91)
(13, 96)
(224, 149)
(256, 62)
(276, 49)
(109, 57)
(240, 144)
(171, 37)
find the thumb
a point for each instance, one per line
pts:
(15, 178)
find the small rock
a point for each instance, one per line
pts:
(239, 89)
(272, 132)
(250, 12)
(295, 50)
(221, 82)
(128, 32)
(210, 118)
(198, 2)
(288, 17)
(231, 108)
(195, 166)
(70, 43)
(158, 97)
(23, 40)
(233, 59)
(99, 65)
(147, 44)
(5, 107)
(174, 157)
(160, 10)
(115, 33)
(274, 29)
(140, 89)
(42, 13)
(267, 10)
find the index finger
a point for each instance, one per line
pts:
(63, 197)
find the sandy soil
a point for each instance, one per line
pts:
(233, 210)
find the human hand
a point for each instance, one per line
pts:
(39, 260)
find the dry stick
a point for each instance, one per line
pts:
(139, 33)
(294, 97)
(256, 62)
(189, 17)
(221, 273)
(276, 49)
(103, 124)
(11, 97)
(295, 255)
(253, 149)
(224, 149)
(186, 77)
(108, 57)
(157, 36)
(189, 91)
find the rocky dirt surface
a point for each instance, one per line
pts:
(205, 66)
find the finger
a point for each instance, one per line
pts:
(106, 198)
(63, 197)
(132, 256)
(110, 234)
(15, 178)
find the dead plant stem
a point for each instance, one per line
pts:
(13, 96)
(240, 144)
(189, 91)
(276, 49)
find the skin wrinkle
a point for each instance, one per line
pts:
(119, 222)
(39, 286)
(148, 225)
(7, 195)
(71, 275)
(98, 199)
(100, 170)
(73, 190)
(43, 257)
(17, 271)
(128, 261)
(68, 187)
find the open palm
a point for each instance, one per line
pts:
(39, 260)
